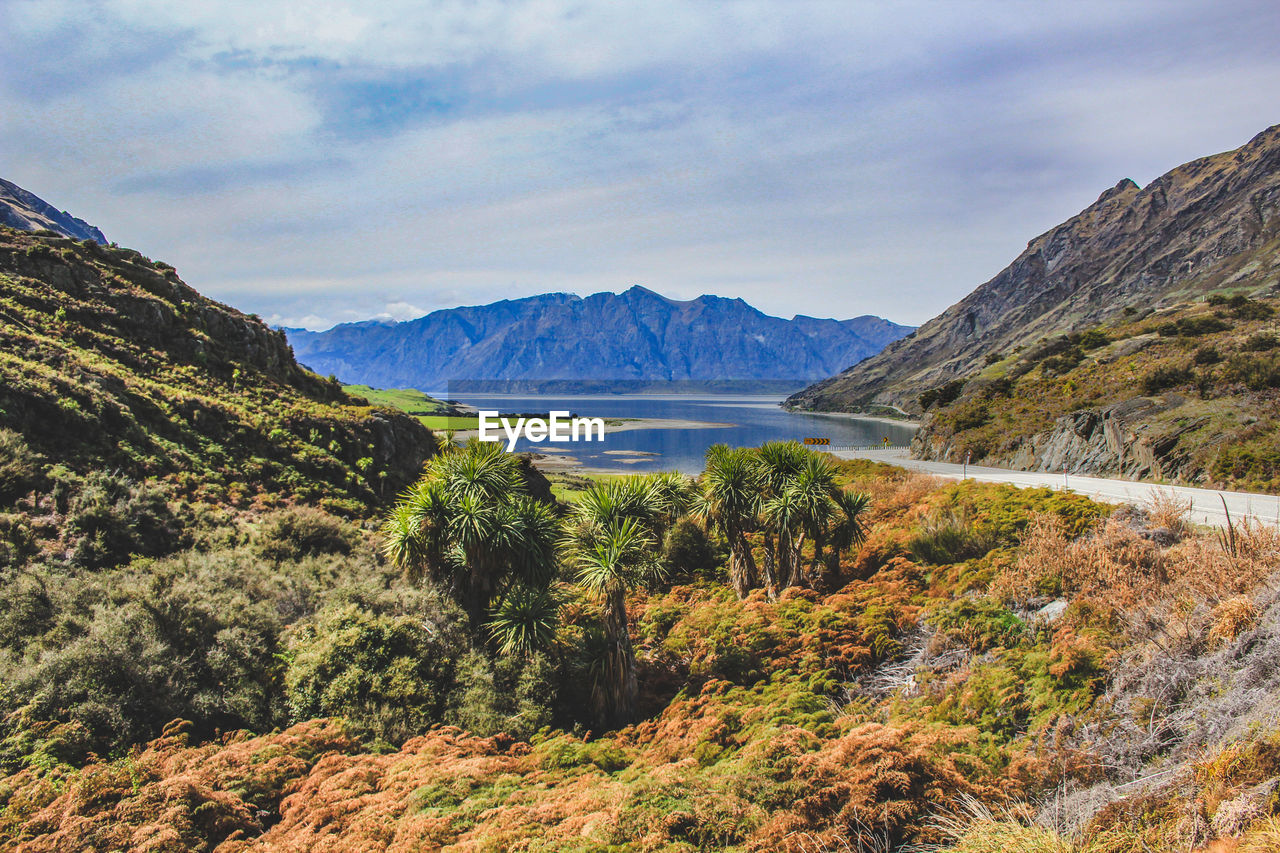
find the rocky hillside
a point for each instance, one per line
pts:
(1187, 394)
(26, 211)
(109, 362)
(636, 335)
(1208, 225)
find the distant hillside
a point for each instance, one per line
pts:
(108, 361)
(26, 211)
(1208, 225)
(636, 335)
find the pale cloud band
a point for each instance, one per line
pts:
(343, 161)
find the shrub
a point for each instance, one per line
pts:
(113, 518)
(1093, 339)
(1261, 342)
(1191, 327)
(302, 532)
(949, 537)
(1255, 372)
(509, 694)
(943, 394)
(688, 551)
(1244, 308)
(1165, 376)
(976, 624)
(389, 675)
(20, 469)
(1207, 354)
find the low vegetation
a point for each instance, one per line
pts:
(1210, 371)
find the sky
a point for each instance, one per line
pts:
(332, 161)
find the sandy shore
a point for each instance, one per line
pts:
(623, 425)
(873, 418)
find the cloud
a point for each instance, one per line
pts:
(348, 161)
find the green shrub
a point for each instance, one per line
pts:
(978, 624)
(1207, 354)
(389, 675)
(20, 468)
(1191, 327)
(942, 395)
(113, 518)
(1255, 372)
(1165, 376)
(507, 694)
(688, 551)
(949, 537)
(302, 532)
(1261, 342)
(1093, 339)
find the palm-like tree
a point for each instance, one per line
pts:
(730, 502)
(849, 528)
(612, 550)
(468, 525)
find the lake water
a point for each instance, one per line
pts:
(755, 419)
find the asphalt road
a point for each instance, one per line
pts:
(1206, 504)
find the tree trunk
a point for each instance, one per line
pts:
(620, 668)
(742, 566)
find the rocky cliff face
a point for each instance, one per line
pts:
(637, 335)
(1110, 441)
(1199, 227)
(26, 211)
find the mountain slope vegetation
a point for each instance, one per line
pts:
(111, 363)
(637, 335)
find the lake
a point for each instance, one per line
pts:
(755, 419)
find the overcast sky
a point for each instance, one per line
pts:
(330, 161)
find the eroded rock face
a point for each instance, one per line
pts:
(1110, 441)
(1203, 225)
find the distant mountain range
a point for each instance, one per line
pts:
(637, 337)
(26, 211)
(1207, 225)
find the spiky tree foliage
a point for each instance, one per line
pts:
(849, 526)
(778, 463)
(612, 545)
(468, 525)
(729, 502)
(610, 559)
(813, 490)
(525, 618)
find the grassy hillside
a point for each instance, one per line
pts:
(1184, 394)
(108, 362)
(430, 412)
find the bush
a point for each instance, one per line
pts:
(1166, 376)
(1261, 342)
(1191, 327)
(390, 675)
(687, 551)
(1207, 354)
(942, 395)
(1093, 339)
(20, 469)
(1255, 372)
(949, 537)
(113, 518)
(508, 694)
(302, 532)
(124, 652)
